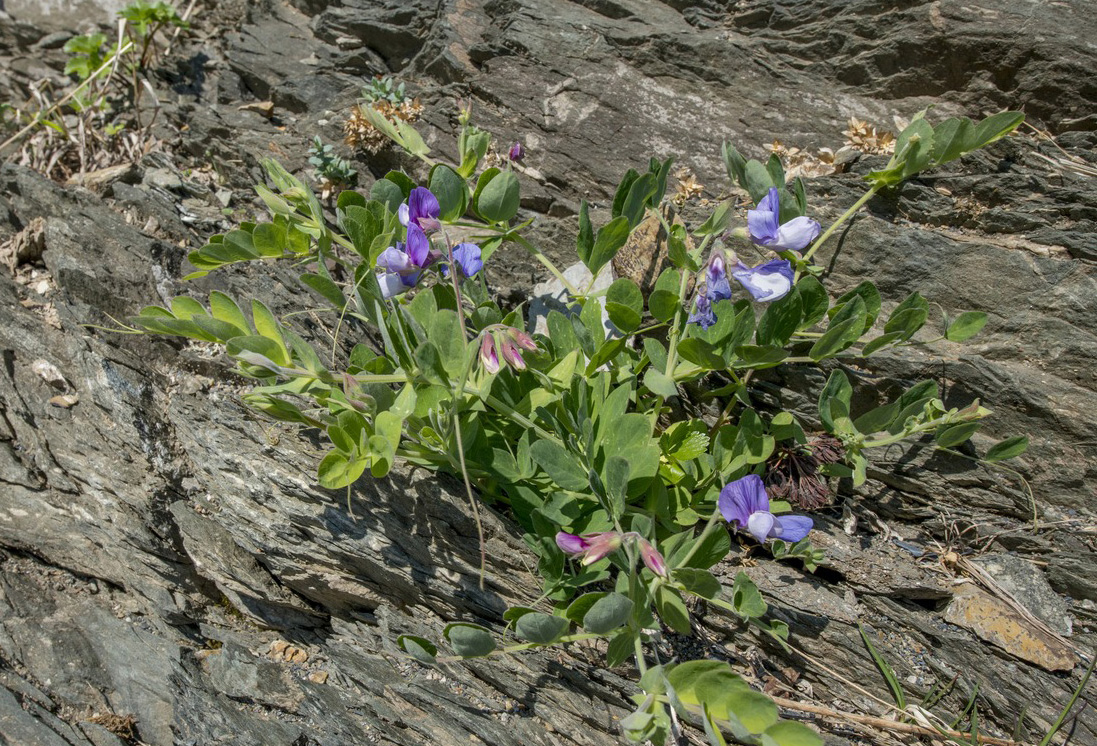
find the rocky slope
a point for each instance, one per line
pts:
(171, 573)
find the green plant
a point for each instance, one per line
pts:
(87, 55)
(106, 98)
(333, 172)
(624, 496)
(385, 88)
(144, 21)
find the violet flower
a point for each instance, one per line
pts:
(716, 287)
(767, 230)
(767, 282)
(467, 257)
(517, 152)
(421, 210)
(402, 264)
(702, 312)
(745, 503)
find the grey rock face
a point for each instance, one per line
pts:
(158, 537)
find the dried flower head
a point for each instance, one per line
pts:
(688, 186)
(793, 472)
(802, 163)
(361, 133)
(863, 136)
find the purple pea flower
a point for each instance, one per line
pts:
(467, 257)
(402, 264)
(745, 503)
(716, 288)
(511, 354)
(768, 281)
(507, 343)
(421, 210)
(702, 312)
(571, 543)
(592, 547)
(766, 230)
(524, 340)
(517, 152)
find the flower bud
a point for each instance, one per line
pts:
(489, 358)
(571, 544)
(601, 545)
(523, 340)
(464, 112)
(511, 354)
(652, 559)
(517, 152)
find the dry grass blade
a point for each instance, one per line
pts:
(890, 725)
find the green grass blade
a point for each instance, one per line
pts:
(886, 672)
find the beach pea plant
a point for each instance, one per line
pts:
(587, 430)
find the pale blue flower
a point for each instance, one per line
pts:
(767, 230)
(768, 281)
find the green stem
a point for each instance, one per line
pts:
(893, 439)
(540, 256)
(712, 522)
(676, 330)
(515, 415)
(527, 646)
(1069, 706)
(455, 411)
(381, 378)
(845, 216)
(638, 647)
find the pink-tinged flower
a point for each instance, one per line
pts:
(767, 230)
(517, 152)
(523, 340)
(571, 544)
(488, 356)
(511, 354)
(652, 558)
(745, 503)
(421, 209)
(589, 548)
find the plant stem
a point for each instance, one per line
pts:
(540, 256)
(712, 521)
(676, 330)
(638, 647)
(845, 216)
(1069, 706)
(515, 415)
(455, 411)
(892, 439)
(381, 378)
